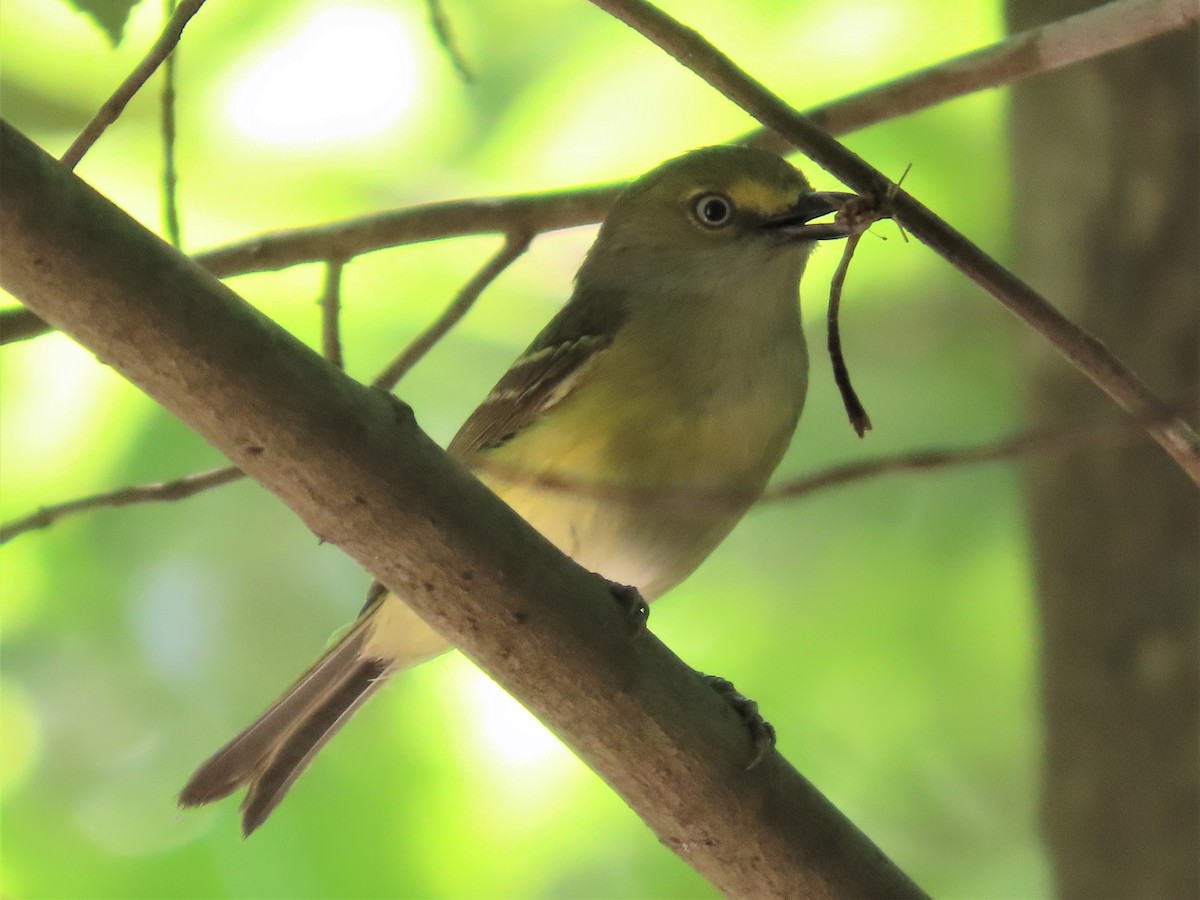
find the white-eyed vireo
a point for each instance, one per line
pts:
(634, 432)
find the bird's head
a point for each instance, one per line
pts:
(712, 218)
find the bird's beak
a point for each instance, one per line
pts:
(793, 223)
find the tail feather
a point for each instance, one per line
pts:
(297, 750)
(276, 749)
(237, 763)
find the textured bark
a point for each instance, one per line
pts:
(1107, 216)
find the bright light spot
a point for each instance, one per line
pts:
(348, 73)
(513, 737)
(60, 406)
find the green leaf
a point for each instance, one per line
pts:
(110, 15)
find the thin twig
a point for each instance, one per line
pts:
(521, 213)
(178, 489)
(115, 104)
(1032, 52)
(440, 23)
(20, 324)
(170, 176)
(855, 216)
(1090, 356)
(1072, 40)
(1046, 441)
(514, 245)
(841, 375)
(1042, 441)
(1044, 49)
(1061, 441)
(331, 308)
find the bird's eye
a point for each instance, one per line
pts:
(713, 210)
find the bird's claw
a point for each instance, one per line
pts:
(762, 732)
(636, 610)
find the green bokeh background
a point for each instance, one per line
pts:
(884, 627)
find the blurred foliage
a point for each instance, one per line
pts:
(885, 627)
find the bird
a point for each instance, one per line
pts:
(634, 432)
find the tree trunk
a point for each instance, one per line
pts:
(1107, 215)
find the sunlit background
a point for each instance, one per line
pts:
(885, 627)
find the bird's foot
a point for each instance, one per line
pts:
(762, 732)
(636, 610)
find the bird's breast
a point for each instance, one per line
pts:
(640, 473)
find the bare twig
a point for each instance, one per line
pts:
(170, 176)
(1063, 43)
(520, 213)
(1061, 440)
(841, 375)
(445, 36)
(115, 104)
(142, 493)
(331, 308)
(1089, 355)
(514, 245)
(1075, 39)
(1043, 441)
(20, 324)
(189, 485)
(1059, 44)
(856, 216)
(1072, 40)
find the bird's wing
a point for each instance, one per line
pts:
(536, 381)
(554, 365)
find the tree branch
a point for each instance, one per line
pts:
(190, 485)
(514, 245)
(1039, 50)
(1064, 441)
(1072, 40)
(115, 104)
(1032, 52)
(529, 214)
(440, 23)
(547, 630)
(20, 324)
(1041, 442)
(1090, 356)
(179, 489)
(170, 197)
(331, 309)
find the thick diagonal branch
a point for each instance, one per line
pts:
(351, 462)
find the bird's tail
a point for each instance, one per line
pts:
(273, 752)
